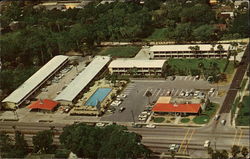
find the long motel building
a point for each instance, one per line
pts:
(133, 66)
(185, 51)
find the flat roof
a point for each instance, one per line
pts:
(30, 84)
(130, 63)
(203, 47)
(83, 79)
(179, 108)
(164, 99)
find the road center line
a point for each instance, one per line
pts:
(189, 141)
(184, 139)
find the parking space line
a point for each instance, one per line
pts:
(145, 92)
(176, 93)
(194, 79)
(158, 92)
(185, 78)
(154, 92)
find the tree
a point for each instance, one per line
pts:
(235, 150)
(75, 64)
(172, 154)
(244, 151)
(20, 144)
(148, 94)
(5, 142)
(204, 33)
(220, 48)
(224, 154)
(94, 142)
(210, 151)
(43, 141)
(234, 54)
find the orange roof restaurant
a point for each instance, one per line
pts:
(168, 105)
(45, 105)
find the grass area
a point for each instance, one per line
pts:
(121, 51)
(244, 112)
(230, 68)
(188, 64)
(158, 34)
(211, 109)
(159, 119)
(203, 119)
(185, 120)
(234, 106)
(243, 84)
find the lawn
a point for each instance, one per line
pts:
(121, 51)
(159, 119)
(207, 114)
(203, 119)
(244, 113)
(188, 64)
(185, 120)
(243, 84)
(158, 34)
(234, 106)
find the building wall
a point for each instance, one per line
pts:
(143, 71)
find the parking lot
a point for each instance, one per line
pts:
(136, 99)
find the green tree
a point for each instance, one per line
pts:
(224, 154)
(235, 150)
(204, 33)
(5, 142)
(20, 145)
(43, 141)
(244, 151)
(95, 142)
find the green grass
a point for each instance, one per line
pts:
(211, 109)
(187, 64)
(234, 106)
(158, 34)
(121, 51)
(159, 119)
(243, 117)
(230, 68)
(243, 84)
(203, 119)
(185, 120)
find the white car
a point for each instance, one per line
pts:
(187, 94)
(168, 93)
(100, 124)
(142, 119)
(142, 116)
(182, 93)
(207, 144)
(150, 126)
(223, 122)
(174, 147)
(145, 113)
(116, 103)
(196, 93)
(122, 96)
(211, 91)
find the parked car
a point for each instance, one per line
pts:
(150, 126)
(168, 93)
(142, 119)
(197, 77)
(182, 93)
(122, 109)
(143, 116)
(145, 113)
(196, 93)
(207, 144)
(186, 94)
(211, 90)
(137, 125)
(217, 116)
(174, 147)
(223, 122)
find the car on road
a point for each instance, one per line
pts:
(150, 126)
(223, 122)
(137, 125)
(122, 109)
(217, 116)
(174, 147)
(207, 144)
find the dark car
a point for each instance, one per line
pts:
(122, 109)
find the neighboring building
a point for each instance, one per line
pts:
(179, 105)
(213, 2)
(238, 3)
(45, 105)
(136, 67)
(226, 15)
(186, 51)
(29, 87)
(69, 95)
(63, 5)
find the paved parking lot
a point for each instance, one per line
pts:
(136, 99)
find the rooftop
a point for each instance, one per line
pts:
(30, 84)
(45, 104)
(179, 108)
(204, 47)
(130, 63)
(83, 79)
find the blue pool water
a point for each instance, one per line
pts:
(99, 95)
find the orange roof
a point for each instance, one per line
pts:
(180, 108)
(44, 104)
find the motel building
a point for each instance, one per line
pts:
(31, 86)
(44, 105)
(179, 106)
(189, 51)
(137, 67)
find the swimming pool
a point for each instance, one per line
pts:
(98, 96)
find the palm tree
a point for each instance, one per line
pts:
(235, 150)
(148, 94)
(234, 45)
(244, 151)
(220, 48)
(191, 48)
(196, 49)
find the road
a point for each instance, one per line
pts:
(235, 85)
(158, 139)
